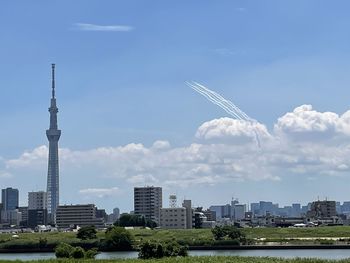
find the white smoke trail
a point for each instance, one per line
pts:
(223, 100)
(213, 98)
(225, 104)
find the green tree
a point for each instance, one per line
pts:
(63, 250)
(151, 249)
(230, 233)
(78, 252)
(134, 220)
(87, 232)
(218, 233)
(118, 238)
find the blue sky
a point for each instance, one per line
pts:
(121, 68)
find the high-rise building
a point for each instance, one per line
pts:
(255, 208)
(116, 213)
(238, 211)
(189, 213)
(24, 212)
(222, 211)
(296, 210)
(37, 200)
(53, 135)
(148, 202)
(322, 209)
(9, 199)
(37, 209)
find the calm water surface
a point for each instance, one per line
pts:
(282, 253)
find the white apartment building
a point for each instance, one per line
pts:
(173, 218)
(37, 200)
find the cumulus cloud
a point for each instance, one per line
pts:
(161, 145)
(224, 152)
(29, 158)
(305, 123)
(94, 27)
(228, 129)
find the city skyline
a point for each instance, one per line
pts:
(130, 120)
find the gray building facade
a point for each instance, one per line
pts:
(148, 202)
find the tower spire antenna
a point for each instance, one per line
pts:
(53, 80)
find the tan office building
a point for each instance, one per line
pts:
(81, 215)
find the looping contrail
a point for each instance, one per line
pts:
(223, 103)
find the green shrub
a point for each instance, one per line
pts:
(87, 232)
(42, 242)
(78, 252)
(229, 233)
(63, 250)
(118, 238)
(153, 249)
(91, 253)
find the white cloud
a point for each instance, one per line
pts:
(142, 179)
(307, 124)
(29, 158)
(161, 145)
(94, 27)
(225, 152)
(100, 192)
(227, 129)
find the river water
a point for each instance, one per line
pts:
(282, 253)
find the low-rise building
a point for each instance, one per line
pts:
(77, 215)
(173, 218)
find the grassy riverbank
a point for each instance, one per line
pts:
(195, 260)
(193, 237)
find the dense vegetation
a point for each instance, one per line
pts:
(64, 250)
(87, 232)
(117, 238)
(134, 220)
(196, 260)
(194, 237)
(153, 249)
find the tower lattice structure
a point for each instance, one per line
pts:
(53, 135)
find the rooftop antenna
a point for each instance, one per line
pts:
(53, 80)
